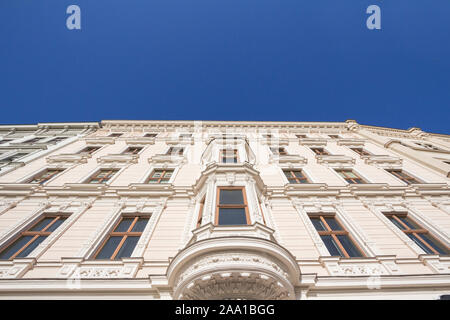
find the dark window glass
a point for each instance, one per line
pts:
(42, 224)
(434, 243)
(124, 225)
(55, 225)
(140, 225)
(127, 248)
(318, 224)
(14, 247)
(108, 249)
(231, 197)
(333, 224)
(232, 216)
(348, 245)
(331, 245)
(31, 247)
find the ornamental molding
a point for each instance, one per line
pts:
(288, 161)
(16, 268)
(274, 141)
(99, 140)
(351, 142)
(383, 161)
(18, 189)
(338, 266)
(69, 158)
(179, 141)
(76, 189)
(118, 159)
(237, 264)
(140, 141)
(166, 159)
(312, 142)
(337, 161)
(437, 263)
(74, 269)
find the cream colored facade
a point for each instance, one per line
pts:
(278, 255)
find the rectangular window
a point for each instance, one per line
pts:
(150, 135)
(175, 151)
(400, 174)
(132, 150)
(229, 156)
(335, 237)
(56, 140)
(333, 136)
(231, 206)
(320, 151)
(160, 176)
(5, 141)
(123, 238)
(350, 176)
(417, 233)
(427, 146)
(295, 176)
(45, 176)
(89, 150)
(28, 240)
(14, 157)
(102, 176)
(301, 136)
(279, 151)
(115, 135)
(267, 136)
(361, 151)
(34, 140)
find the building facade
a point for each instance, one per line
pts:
(224, 210)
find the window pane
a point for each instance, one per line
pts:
(168, 174)
(31, 247)
(231, 196)
(409, 223)
(42, 224)
(124, 225)
(127, 248)
(334, 225)
(140, 225)
(398, 224)
(420, 243)
(56, 224)
(299, 174)
(109, 248)
(349, 246)
(232, 216)
(14, 247)
(288, 174)
(434, 243)
(332, 246)
(318, 224)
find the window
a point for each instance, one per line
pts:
(447, 162)
(150, 135)
(416, 233)
(57, 140)
(45, 176)
(403, 176)
(427, 146)
(89, 150)
(200, 212)
(320, 151)
(231, 206)
(333, 136)
(185, 135)
(335, 237)
(120, 242)
(5, 141)
(132, 150)
(279, 151)
(296, 176)
(229, 156)
(102, 176)
(361, 151)
(267, 136)
(14, 157)
(28, 240)
(115, 135)
(33, 140)
(160, 176)
(350, 176)
(178, 151)
(301, 136)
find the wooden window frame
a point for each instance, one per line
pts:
(360, 151)
(317, 151)
(334, 136)
(403, 179)
(124, 235)
(297, 179)
(338, 171)
(415, 232)
(335, 233)
(150, 135)
(133, 150)
(107, 178)
(115, 134)
(223, 155)
(34, 234)
(163, 171)
(40, 176)
(92, 149)
(244, 205)
(180, 151)
(301, 136)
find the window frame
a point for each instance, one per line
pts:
(115, 134)
(222, 156)
(363, 152)
(335, 233)
(42, 172)
(124, 152)
(168, 153)
(337, 170)
(244, 205)
(323, 153)
(153, 170)
(302, 171)
(87, 147)
(408, 229)
(390, 171)
(124, 235)
(96, 172)
(35, 234)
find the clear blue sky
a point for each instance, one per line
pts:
(296, 60)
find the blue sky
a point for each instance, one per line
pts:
(287, 60)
